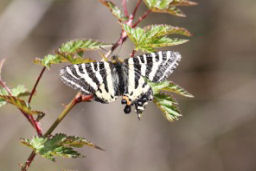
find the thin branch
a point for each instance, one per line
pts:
(141, 18)
(77, 99)
(124, 3)
(29, 161)
(36, 84)
(133, 53)
(136, 8)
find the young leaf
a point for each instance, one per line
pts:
(164, 30)
(19, 91)
(59, 145)
(72, 52)
(169, 87)
(20, 104)
(168, 106)
(115, 10)
(76, 46)
(154, 37)
(183, 3)
(50, 59)
(168, 6)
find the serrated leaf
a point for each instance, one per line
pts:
(183, 3)
(20, 104)
(153, 37)
(48, 60)
(72, 52)
(169, 86)
(168, 6)
(76, 46)
(164, 30)
(166, 41)
(115, 10)
(168, 106)
(59, 145)
(19, 91)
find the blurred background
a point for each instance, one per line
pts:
(218, 129)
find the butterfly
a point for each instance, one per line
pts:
(106, 80)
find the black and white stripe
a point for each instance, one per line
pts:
(107, 80)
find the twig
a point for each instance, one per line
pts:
(136, 8)
(133, 53)
(141, 18)
(77, 99)
(35, 86)
(125, 8)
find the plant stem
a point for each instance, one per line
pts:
(36, 84)
(133, 53)
(77, 99)
(124, 3)
(136, 8)
(141, 18)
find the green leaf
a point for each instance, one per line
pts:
(76, 46)
(154, 36)
(169, 86)
(20, 104)
(19, 91)
(115, 10)
(163, 30)
(48, 60)
(168, 106)
(59, 145)
(168, 6)
(183, 3)
(72, 52)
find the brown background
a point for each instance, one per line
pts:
(217, 131)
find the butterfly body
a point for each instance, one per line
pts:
(128, 78)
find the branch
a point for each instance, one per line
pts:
(133, 53)
(136, 8)
(125, 8)
(36, 84)
(77, 99)
(141, 18)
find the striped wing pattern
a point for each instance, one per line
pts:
(107, 80)
(91, 78)
(155, 66)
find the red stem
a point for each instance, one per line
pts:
(133, 53)
(136, 8)
(125, 8)
(141, 18)
(36, 84)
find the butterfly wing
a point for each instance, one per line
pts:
(91, 78)
(155, 66)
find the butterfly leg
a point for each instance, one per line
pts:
(142, 102)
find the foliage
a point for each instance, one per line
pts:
(147, 39)
(155, 36)
(59, 145)
(19, 91)
(168, 6)
(72, 52)
(166, 103)
(115, 10)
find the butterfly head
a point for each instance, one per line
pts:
(138, 103)
(125, 100)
